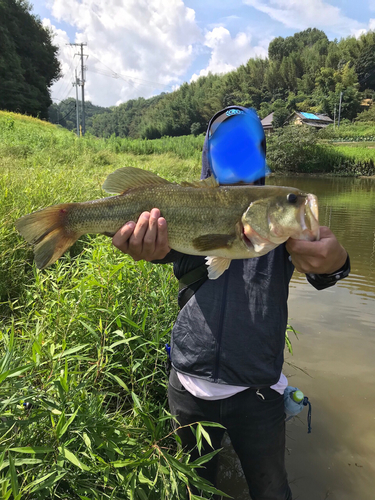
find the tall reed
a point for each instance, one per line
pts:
(82, 371)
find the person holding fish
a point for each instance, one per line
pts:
(234, 244)
(228, 340)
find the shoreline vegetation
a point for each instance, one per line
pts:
(82, 359)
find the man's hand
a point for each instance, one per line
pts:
(145, 240)
(317, 257)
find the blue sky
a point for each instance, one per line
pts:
(139, 48)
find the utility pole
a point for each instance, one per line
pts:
(83, 91)
(76, 83)
(82, 83)
(334, 117)
(338, 122)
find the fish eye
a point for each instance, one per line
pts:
(291, 197)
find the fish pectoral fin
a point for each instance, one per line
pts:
(126, 178)
(208, 242)
(216, 266)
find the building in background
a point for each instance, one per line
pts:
(299, 118)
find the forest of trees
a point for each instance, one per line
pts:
(304, 72)
(64, 113)
(28, 60)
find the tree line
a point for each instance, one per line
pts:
(28, 60)
(304, 72)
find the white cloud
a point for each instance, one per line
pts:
(63, 87)
(370, 27)
(297, 14)
(228, 53)
(149, 43)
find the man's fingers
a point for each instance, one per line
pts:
(305, 247)
(319, 257)
(121, 238)
(136, 240)
(149, 240)
(162, 239)
(325, 232)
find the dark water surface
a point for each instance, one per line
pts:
(336, 349)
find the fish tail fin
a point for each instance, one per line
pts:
(48, 231)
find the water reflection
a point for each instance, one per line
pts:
(347, 206)
(334, 355)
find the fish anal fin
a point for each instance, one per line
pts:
(217, 266)
(126, 178)
(208, 242)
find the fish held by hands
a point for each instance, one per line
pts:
(223, 222)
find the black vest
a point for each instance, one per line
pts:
(232, 331)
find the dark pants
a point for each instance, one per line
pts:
(256, 427)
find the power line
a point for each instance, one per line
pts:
(68, 76)
(111, 76)
(68, 113)
(66, 90)
(67, 94)
(114, 74)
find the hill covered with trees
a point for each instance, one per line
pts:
(28, 62)
(64, 113)
(304, 72)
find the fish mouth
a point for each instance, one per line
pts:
(309, 218)
(245, 239)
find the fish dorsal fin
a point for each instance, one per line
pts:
(210, 182)
(130, 177)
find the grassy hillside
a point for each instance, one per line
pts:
(350, 132)
(301, 149)
(82, 360)
(350, 148)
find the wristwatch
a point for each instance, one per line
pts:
(320, 281)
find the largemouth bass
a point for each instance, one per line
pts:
(203, 218)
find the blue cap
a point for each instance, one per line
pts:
(236, 146)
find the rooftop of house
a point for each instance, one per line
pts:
(314, 119)
(313, 116)
(267, 120)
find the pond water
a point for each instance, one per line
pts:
(333, 360)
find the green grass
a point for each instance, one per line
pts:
(359, 131)
(351, 144)
(82, 370)
(356, 151)
(355, 159)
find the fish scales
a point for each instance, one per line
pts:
(185, 207)
(203, 218)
